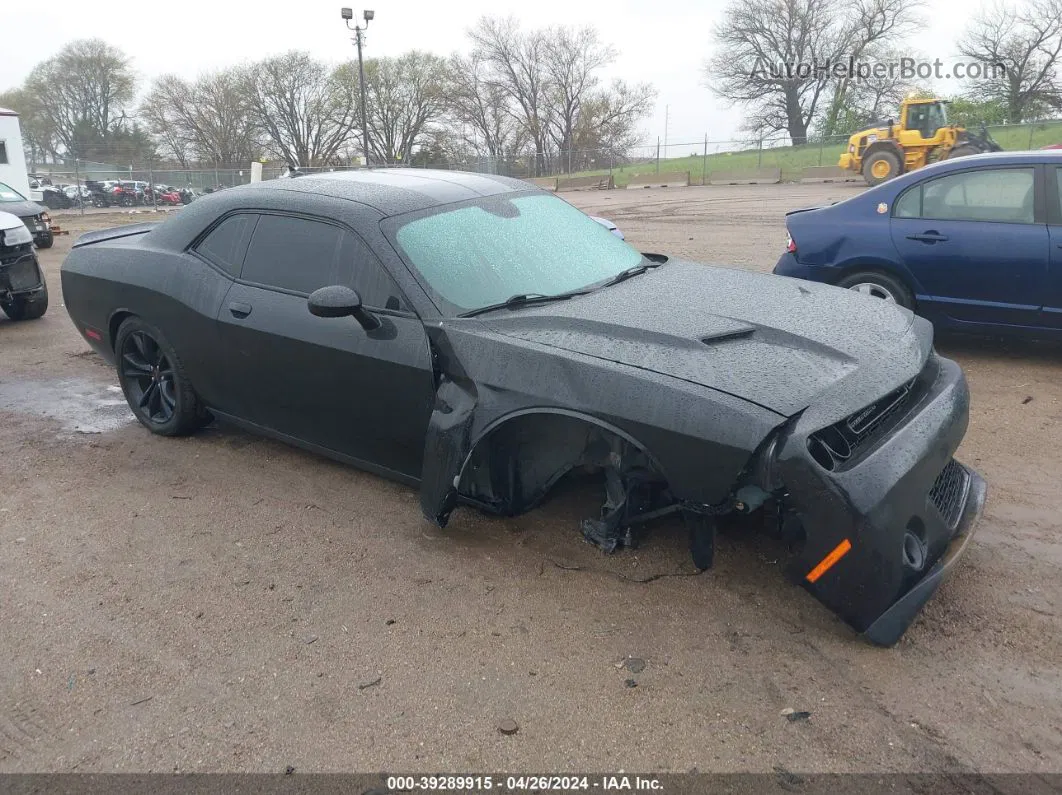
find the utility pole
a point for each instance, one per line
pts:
(359, 32)
(667, 109)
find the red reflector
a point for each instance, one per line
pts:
(93, 334)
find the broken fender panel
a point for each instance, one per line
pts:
(530, 413)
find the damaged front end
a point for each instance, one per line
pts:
(880, 508)
(886, 509)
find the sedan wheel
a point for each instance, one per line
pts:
(154, 382)
(877, 284)
(874, 290)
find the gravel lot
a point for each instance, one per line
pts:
(226, 603)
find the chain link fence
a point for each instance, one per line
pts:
(700, 158)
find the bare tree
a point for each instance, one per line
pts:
(873, 97)
(573, 62)
(404, 96)
(608, 122)
(84, 91)
(38, 135)
(480, 107)
(306, 109)
(777, 58)
(209, 120)
(518, 67)
(1026, 40)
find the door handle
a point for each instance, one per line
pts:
(928, 237)
(239, 309)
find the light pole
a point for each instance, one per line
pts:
(348, 15)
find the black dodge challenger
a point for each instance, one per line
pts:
(479, 339)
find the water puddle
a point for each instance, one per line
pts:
(79, 405)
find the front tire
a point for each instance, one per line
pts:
(881, 166)
(154, 381)
(46, 241)
(27, 308)
(879, 285)
(964, 150)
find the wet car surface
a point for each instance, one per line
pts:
(498, 340)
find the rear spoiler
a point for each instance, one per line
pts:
(803, 210)
(114, 233)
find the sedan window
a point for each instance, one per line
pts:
(487, 251)
(1000, 194)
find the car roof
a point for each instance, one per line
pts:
(394, 190)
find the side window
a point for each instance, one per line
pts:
(303, 255)
(909, 205)
(1000, 194)
(292, 254)
(226, 245)
(3, 153)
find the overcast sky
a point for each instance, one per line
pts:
(664, 43)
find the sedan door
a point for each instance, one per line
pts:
(977, 242)
(326, 382)
(1052, 311)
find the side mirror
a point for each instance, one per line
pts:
(340, 301)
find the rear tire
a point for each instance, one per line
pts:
(879, 285)
(881, 166)
(27, 308)
(154, 381)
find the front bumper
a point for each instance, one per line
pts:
(890, 625)
(902, 510)
(20, 275)
(39, 229)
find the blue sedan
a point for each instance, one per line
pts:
(972, 244)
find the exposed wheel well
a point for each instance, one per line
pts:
(515, 464)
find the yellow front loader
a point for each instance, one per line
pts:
(922, 136)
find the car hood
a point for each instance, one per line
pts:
(777, 342)
(24, 209)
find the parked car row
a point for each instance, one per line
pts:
(107, 193)
(511, 339)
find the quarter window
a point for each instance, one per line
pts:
(226, 245)
(301, 255)
(3, 153)
(1001, 194)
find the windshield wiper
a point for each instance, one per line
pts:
(634, 270)
(523, 299)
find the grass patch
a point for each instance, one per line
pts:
(792, 160)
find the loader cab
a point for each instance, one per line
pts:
(925, 118)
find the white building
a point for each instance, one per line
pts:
(12, 157)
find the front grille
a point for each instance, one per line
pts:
(21, 274)
(833, 446)
(949, 492)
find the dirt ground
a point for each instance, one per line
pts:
(226, 603)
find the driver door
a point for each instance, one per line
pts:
(326, 382)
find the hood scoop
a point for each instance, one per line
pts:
(728, 334)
